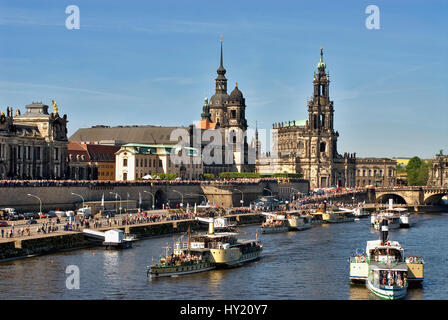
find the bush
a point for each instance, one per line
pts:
(287, 175)
(238, 175)
(165, 176)
(208, 176)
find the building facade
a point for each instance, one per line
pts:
(33, 145)
(141, 161)
(377, 172)
(91, 161)
(438, 171)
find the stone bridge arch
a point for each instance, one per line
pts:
(398, 199)
(411, 197)
(434, 198)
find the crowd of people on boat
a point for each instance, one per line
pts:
(177, 259)
(397, 279)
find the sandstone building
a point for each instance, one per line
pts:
(33, 145)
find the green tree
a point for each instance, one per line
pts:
(417, 171)
(423, 174)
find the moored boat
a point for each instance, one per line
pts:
(274, 223)
(298, 221)
(338, 216)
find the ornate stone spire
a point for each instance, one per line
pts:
(221, 70)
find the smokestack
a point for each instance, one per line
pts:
(211, 224)
(384, 231)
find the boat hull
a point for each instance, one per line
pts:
(265, 230)
(231, 257)
(156, 272)
(341, 220)
(387, 293)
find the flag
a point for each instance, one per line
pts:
(128, 195)
(102, 200)
(139, 198)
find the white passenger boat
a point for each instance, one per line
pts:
(397, 217)
(274, 223)
(384, 267)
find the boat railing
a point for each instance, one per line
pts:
(414, 259)
(360, 258)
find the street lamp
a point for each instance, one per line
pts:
(40, 201)
(153, 201)
(117, 195)
(242, 196)
(268, 190)
(182, 204)
(75, 194)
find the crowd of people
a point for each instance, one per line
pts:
(323, 199)
(113, 183)
(178, 259)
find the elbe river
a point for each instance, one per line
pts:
(310, 264)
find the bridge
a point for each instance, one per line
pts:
(411, 195)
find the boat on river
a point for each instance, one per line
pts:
(397, 217)
(206, 252)
(338, 216)
(274, 223)
(384, 267)
(298, 222)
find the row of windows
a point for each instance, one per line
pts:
(372, 173)
(145, 163)
(106, 173)
(25, 152)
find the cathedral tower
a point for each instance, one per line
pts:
(219, 99)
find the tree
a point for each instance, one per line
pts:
(412, 170)
(417, 171)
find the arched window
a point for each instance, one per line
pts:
(125, 163)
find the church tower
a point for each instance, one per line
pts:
(236, 110)
(219, 100)
(323, 138)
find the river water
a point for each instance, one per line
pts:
(310, 264)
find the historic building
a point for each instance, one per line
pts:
(33, 145)
(309, 147)
(438, 171)
(378, 172)
(141, 161)
(227, 114)
(91, 161)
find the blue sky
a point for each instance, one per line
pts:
(153, 62)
